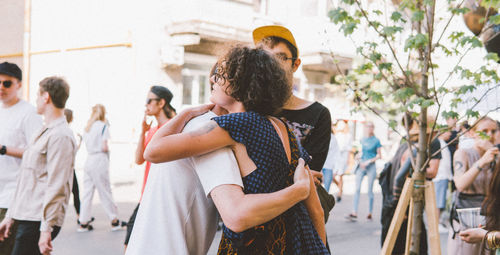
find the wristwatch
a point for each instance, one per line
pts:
(3, 150)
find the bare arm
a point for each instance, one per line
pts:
(139, 152)
(316, 211)
(14, 152)
(241, 211)
(169, 144)
(460, 162)
(433, 168)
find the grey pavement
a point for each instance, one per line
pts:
(345, 237)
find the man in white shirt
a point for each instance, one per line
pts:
(178, 211)
(443, 176)
(19, 122)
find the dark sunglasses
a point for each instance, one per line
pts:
(149, 100)
(6, 84)
(284, 58)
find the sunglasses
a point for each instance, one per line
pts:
(149, 100)
(6, 84)
(284, 58)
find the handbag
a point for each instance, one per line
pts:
(326, 199)
(463, 201)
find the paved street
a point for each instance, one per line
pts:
(361, 237)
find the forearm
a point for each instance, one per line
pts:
(465, 180)
(243, 211)
(315, 211)
(139, 152)
(14, 152)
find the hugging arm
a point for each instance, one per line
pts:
(240, 211)
(169, 144)
(316, 211)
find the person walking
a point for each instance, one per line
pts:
(371, 151)
(157, 105)
(20, 122)
(75, 190)
(344, 140)
(45, 178)
(331, 162)
(442, 179)
(96, 171)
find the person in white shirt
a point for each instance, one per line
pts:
(331, 163)
(344, 140)
(96, 171)
(443, 176)
(20, 122)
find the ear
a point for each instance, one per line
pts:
(296, 64)
(162, 103)
(46, 97)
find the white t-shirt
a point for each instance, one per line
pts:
(344, 141)
(175, 215)
(19, 123)
(333, 156)
(98, 133)
(444, 170)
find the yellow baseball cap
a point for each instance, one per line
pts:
(278, 31)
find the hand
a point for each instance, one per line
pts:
(363, 165)
(145, 125)
(45, 242)
(198, 110)
(318, 177)
(488, 156)
(5, 226)
(301, 178)
(473, 235)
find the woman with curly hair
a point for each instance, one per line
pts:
(251, 86)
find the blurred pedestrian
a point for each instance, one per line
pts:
(473, 173)
(331, 162)
(344, 139)
(75, 190)
(442, 179)
(466, 139)
(96, 171)
(20, 122)
(371, 151)
(157, 105)
(44, 182)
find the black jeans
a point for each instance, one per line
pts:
(27, 237)
(130, 224)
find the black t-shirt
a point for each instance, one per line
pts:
(312, 127)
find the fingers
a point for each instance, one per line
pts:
(301, 162)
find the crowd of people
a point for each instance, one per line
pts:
(256, 156)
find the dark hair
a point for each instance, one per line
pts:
(492, 201)
(272, 41)
(69, 115)
(166, 95)
(255, 79)
(58, 90)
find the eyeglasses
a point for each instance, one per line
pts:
(6, 84)
(149, 100)
(283, 57)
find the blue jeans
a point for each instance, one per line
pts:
(327, 178)
(371, 172)
(441, 187)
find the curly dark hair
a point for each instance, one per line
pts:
(255, 79)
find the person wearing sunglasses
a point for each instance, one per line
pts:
(19, 123)
(157, 105)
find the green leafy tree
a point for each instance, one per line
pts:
(399, 43)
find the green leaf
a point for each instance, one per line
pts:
(396, 16)
(417, 16)
(471, 113)
(386, 66)
(377, 12)
(338, 15)
(391, 30)
(449, 114)
(492, 56)
(348, 28)
(416, 41)
(494, 19)
(393, 124)
(375, 96)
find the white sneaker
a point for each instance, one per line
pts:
(84, 228)
(119, 225)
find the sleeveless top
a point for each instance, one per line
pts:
(293, 231)
(481, 182)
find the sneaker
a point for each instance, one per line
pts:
(90, 221)
(339, 199)
(369, 217)
(118, 225)
(351, 217)
(84, 228)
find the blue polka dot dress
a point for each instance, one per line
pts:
(290, 233)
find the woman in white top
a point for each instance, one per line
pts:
(344, 140)
(96, 171)
(331, 162)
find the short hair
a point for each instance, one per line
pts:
(255, 79)
(69, 115)
(58, 90)
(272, 41)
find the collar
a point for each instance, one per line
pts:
(56, 122)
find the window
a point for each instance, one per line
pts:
(195, 88)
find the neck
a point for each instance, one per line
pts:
(161, 118)
(219, 110)
(52, 113)
(235, 107)
(11, 102)
(296, 103)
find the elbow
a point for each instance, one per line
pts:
(236, 223)
(139, 161)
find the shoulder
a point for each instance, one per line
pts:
(240, 118)
(461, 155)
(199, 121)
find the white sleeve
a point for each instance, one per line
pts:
(217, 168)
(32, 125)
(336, 153)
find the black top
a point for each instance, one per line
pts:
(312, 127)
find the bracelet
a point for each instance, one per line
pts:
(496, 243)
(484, 241)
(492, 240)
(479, 168)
